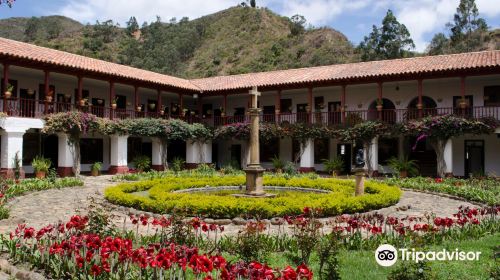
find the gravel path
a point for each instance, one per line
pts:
(41, 208)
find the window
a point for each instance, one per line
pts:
(321, 150)
(91, 151)
(121, 102)
(269, 149)
(387, 148)
(492, 96)
(286, 105)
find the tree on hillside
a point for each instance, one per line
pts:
(467, 27)
(132, 26)
(253, 4)
(53, 28)
(32, 27)
(391, 40)
(468, 32)
(297, 25)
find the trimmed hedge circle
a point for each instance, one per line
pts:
(162, 199)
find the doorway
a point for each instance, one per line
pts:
(474, 158)
(334, 113)
(236, 155)
(344, 151)
(302, 115)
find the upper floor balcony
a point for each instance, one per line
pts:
(31, 108)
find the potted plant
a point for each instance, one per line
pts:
(152, 106)
(114, 103)
(278, 164)
(184, 111)
(41, 166)
(404, 166)
(8, 91)
(142, 163)
(463, 103)
(162, 111)
(334, 166)
(380, 105)
(95, 169)
(139, 108)
(82, 102)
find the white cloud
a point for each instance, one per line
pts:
(144, 10)
(490, 8)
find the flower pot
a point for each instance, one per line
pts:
(420, 106)
(40, 175)
(100, 101)
(7, 94)
(152, 106)
(380, 107)
(82, 102)
(403, 174)
(48, 98)
(162, 112)
(113, 106)
(139, 108)
(222, 114)
(94, 172)
(462, 104)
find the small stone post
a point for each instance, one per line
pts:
(360, 175)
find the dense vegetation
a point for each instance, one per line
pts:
(242, 39)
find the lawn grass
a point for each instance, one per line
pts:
(362, 265)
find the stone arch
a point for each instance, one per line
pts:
(388, 112)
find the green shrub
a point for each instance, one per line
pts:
(96, 166)
(278, 164)
(142, 163)
(177, 164)
(162, 199)
(41, 164)
(333, 165)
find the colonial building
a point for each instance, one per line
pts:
(47, 81)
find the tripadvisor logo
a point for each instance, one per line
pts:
(387, 255)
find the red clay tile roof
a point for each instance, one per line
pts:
(31, 52)
(409, 67)
(427, 65)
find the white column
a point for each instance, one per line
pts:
(156, 159)
(373, 151)
(448, 157)
(118, 154)
(286, 149)
(307, 158)
(64, 156)
(192, 154)
(12, 143)
(206, 152)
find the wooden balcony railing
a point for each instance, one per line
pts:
(30, 108)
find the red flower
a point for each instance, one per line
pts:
(289, 274)
(438, 180)
(96, 270)
(304, 272)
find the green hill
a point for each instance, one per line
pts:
(232, 41)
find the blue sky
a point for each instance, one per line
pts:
(352, 17)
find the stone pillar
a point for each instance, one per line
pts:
(118, 150)
(307, 157)
(156, 160)
(12, 143)
(448, 158)
(64, 156)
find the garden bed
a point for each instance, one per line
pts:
(163, 197)
(486, 191)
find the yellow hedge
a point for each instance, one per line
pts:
(340, 200)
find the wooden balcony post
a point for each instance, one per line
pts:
(79, 90)
(224, 109)
(342, 102)
(462, 104)
(200, 107)
(420, 105)
(181, 104)
(310, 104)
(158, 101)
(380, 101)
(4, 87)
(46, 89)
(136, 98)
(277, 109)
(111, 98)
